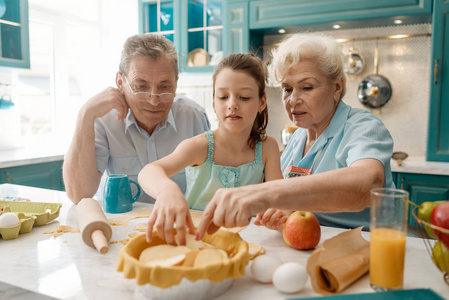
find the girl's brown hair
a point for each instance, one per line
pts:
(255, 68)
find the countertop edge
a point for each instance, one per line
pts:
(30, 161)
(414, 165)
(419, 165)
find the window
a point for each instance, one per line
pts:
(75, 48)
(34, 94)
(204, 32)
(49, 94)
(159, 17)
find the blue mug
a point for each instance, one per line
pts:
(117, 196)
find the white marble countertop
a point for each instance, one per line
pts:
(419, 165)
(48, 151)
(65, 268)
(42, 151)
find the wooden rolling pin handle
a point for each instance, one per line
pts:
(100, 241)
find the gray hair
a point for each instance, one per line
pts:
(314, 46)
(148, 45)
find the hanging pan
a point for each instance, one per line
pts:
(375, 90)
(353, 63)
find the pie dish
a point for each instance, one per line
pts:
(180, 281)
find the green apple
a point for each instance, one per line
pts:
(424, 211)
(440, 256)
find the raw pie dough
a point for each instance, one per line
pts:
(145, 213)
(60, 230)
(194, 254)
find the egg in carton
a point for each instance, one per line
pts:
(20, 217)
(199, 270)
(11, 224)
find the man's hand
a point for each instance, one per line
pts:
(102, 103)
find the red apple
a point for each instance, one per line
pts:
(440, 217)
(302, 230)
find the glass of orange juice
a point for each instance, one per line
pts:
(388, 228)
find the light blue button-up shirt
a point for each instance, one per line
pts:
(125, 148)
(353, 134)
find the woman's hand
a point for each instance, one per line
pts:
(272, 219)
(170, 208)
(232, 207)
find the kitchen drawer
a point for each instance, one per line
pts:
(41, 175)
(422, 188)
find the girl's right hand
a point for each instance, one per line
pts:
(170, 208)
(272, 219)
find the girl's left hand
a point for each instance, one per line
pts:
(272, 219)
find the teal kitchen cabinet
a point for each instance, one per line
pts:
(266, 13)
(42, 175)
(236, 37)
(194, 26)
(14, 34)
(422, 188)
(246, 21)
(438, 129)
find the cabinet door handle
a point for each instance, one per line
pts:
(435, 71)
(182, 61)
(8, 177)
(402, 183)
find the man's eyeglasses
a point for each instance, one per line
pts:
(145, 96)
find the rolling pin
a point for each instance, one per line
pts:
(95, 228)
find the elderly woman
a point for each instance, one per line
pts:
(332, 161)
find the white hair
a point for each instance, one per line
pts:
(308, 46)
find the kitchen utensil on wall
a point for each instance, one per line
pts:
(375, 90)
(95, 228)
(399, 157)
(5, 99)
(353, 63)
(287, 133)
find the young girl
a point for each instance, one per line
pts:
(237, 153)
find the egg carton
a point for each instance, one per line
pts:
(29, 214)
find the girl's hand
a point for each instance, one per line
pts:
(170, 208)
(272, 219)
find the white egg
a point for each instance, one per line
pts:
(9, 219)
(263, 267)
(290, 277)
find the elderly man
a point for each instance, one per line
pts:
(122, 129)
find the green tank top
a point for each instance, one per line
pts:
(204, 180)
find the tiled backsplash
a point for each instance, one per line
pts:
(405, 62)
